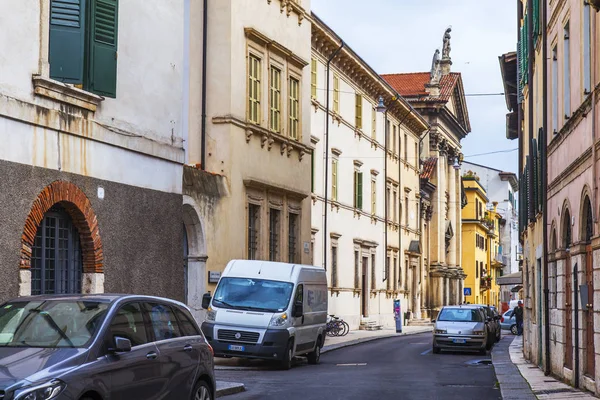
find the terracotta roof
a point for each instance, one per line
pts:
(412, 85)
(428, 168)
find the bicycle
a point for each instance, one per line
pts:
(336, 326)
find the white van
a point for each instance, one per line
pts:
(267, 310)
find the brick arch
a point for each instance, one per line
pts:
(79, 207)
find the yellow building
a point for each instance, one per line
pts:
(480, 246)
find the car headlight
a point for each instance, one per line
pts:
(279, 320)
(211, 314)
(441, 331)
(480, 333)
(45, 391)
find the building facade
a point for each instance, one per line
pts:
(92, 150)
(438, 95)
(365, 186)
(558, 146)
(502, 187)
(247, 184)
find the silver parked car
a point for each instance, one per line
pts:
(460, 327)
(86, 347)
(509, 322)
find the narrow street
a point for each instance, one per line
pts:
(392, 368)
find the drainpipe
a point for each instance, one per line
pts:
(327, 155)
(544, 155)
(185, 124)
(204, 51)
(519, 125)
(576, 301)
(385, 207)
(593, 94)
(531, 59)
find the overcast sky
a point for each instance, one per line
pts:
(402, 35)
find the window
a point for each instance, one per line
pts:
(294, 109)
(299, 298)
(405, 147)
(405, 274)
(334, 271)
(387, 134)
(164, 323)
(358, 190)
(129, 324)
(397, 274)
(555, 89)
(374, 124)
(387, 272)
(476, 269)
(293, 238)
(417, 218)
(587, 50)
(312, 171)
(253, 226)
(395, 219)
(395, 140)
(334, 179)
(566, 73)
(406, 211)
(274, 234)
(254, 78)
(83, 44)
(336, 94)
(188, 328)
(275, 106)
(313, 78)
(56, 258)
(358, 109)
(373, 196)
(356, 269)
(417, 155)
(387, 206)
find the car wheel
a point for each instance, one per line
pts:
(436, 350)
(483, 352)
(499, 337)
(202, 391)
(286, 363)
(514, 330)
(315, 356)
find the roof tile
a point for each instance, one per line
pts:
(412, 85)
(428, 168)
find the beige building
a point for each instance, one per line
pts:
(439, 96)
(250, 198)
(365, 214)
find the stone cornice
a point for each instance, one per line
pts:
(572, 124)
(275, 46)
(274, 188)
(570, 172)
(289, 6)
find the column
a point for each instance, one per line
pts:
(451, 178)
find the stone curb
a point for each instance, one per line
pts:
(338, 346)
(228, 388)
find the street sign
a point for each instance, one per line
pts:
(467, 291)
(214, 276)
(306, 247)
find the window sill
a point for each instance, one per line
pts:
(64, 93)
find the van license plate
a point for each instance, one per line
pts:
(461, 341)
(236, 348)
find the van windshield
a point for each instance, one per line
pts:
(253, 294)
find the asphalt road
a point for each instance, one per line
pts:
(394, 368)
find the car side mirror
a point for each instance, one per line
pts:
(122, 345)
(298, 310)
(206, 300)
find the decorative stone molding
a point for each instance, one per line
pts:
(79, 207)
(264, 40)
(282, 190)
(64, 93)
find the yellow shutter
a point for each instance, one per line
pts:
(294, 111)
(275, 106)
(254, 74)
(336, 94)
(334, 174)
(358, 118)
(313, 78)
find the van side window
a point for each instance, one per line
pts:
(299, 298)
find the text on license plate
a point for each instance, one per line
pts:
(236, 348)
(459, 341)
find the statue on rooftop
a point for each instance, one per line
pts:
(446, 49)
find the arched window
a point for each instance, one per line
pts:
(56, 260)
(566, 231)
(553, 239)
(587, 221)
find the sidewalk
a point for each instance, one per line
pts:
(519, 379)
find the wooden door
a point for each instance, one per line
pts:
(568, 314)
(365, 287)
(590, 365)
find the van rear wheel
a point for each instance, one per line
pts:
(315, 356)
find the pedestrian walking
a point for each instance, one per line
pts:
(518, 312)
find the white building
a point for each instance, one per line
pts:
(502, 187)
(369, 262)
(91, 154)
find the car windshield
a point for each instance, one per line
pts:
(253, 294)
(50, 324)
(460, 315)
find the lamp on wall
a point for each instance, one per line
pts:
(380, 106)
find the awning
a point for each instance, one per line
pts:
(511, 279)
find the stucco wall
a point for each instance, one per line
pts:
(140, 230)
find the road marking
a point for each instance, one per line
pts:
(350, 365)
(425, 352)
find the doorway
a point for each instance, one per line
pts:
(365, 287)
(568, 313)
(590, 365)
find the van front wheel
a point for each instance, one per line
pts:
(315, 356)
(286, 363)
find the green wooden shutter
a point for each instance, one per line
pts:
(67, 38)
(103, 48)
(534, 176)
(536, 21)
(359, 199)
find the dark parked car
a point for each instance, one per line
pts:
(88, 347)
